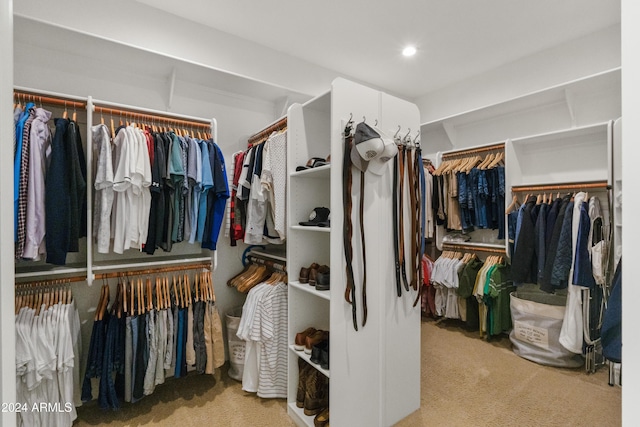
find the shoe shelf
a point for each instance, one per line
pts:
(299, 416)
(321, 172)
(311, 289)
(310, 228)
(307, 358)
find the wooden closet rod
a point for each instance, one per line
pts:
(466, 248)
(159, 270)
(474, 151)
(279, 125)
(49, 100)
(50, 282)
(151, 117)
(559, 187)
(271, 264)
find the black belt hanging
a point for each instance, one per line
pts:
(364, 252)
(395, 222)
(347, 182)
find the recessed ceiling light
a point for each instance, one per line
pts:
(409, 51)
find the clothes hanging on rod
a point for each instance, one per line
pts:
(563, 243)
(47, 355)
(49, 185)
(466, 288)
(155, 328)
(468, 191)
(263, 326)
(259, 183)
(159, 188)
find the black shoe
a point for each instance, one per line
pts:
(324, 356)
(323, 280)
(316, 351)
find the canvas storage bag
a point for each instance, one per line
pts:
(537, 320)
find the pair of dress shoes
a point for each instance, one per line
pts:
(316, 275)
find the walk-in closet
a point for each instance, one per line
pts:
(290, 214)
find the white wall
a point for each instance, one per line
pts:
(581, 57)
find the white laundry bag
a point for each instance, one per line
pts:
(537, 320)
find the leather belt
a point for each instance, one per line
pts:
(414, 220)
(347, 183)
(396, 250)
(401, 218)
(364, 252)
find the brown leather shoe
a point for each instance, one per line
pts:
(313, 275)
(304, 275)
(314, 339)
(322, 419)
(305, 272)
(316, 396)
(303, 372)
(301, 338)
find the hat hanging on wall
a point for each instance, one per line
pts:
(372, 149)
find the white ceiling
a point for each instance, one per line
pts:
(456, 39)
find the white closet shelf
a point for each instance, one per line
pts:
(50, 270)
(311, 289)
(298, 415)
(306, 228)
(307, 358)
(269, 255)
(105, 266)
(321, 172)
(559, 93)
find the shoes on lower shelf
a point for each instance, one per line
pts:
(315, 338)
(322, 419)
(303, 372)
(316, 397)
(305, 272)
(320, 354)
(301, 337)
(322, 278)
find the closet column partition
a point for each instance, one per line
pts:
(7, 319)
(374, 371)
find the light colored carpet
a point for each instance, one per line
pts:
(465, 381)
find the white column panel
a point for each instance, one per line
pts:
(7, 320)
(401, 326)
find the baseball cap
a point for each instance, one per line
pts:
(367, 145)
(379, 165)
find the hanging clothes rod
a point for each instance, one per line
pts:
(275, 127)
(560, 187)
(44, 99)
(50, 282)
(473, 151)
(467, 248)
(161, 270)
(149, 117)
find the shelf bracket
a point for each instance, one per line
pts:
(569, 99)
(172, 87)
(450, 130)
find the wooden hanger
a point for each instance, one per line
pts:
(513, 205)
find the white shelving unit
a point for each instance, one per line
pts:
(542, 131)
(591, 99)
(374, 371)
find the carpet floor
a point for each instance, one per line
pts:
(466, 381)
